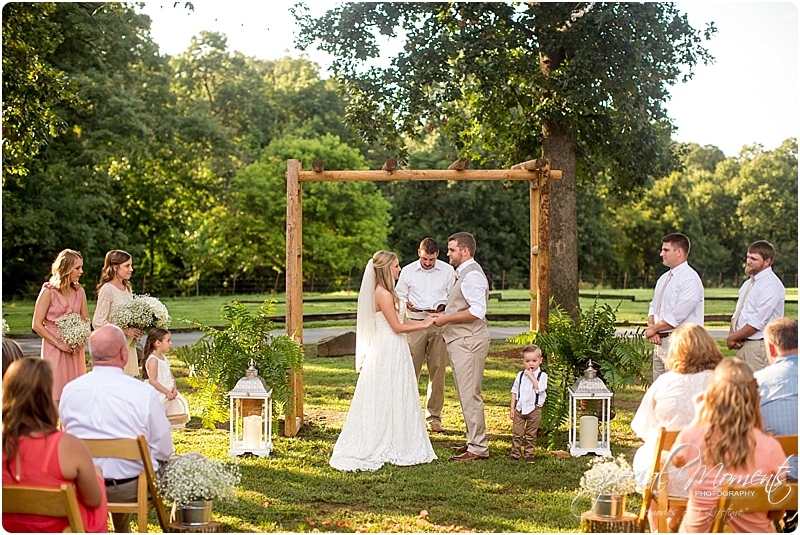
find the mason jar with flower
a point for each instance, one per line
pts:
(608, 481)
(192, 482)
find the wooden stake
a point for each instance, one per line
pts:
(294, 287)
(459, 165)
(390, 165)
(536, 200)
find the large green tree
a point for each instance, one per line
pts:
(344, 223)
(32, 86)
(509, 81)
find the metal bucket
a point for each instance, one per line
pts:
(609, 506)
(195, 513)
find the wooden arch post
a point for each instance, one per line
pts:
(536, 172)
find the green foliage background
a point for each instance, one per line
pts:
(180, 160)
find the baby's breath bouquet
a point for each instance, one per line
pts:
(73, 329)
(608, 476)
(141, 312)
(6, 328)
(194, 478)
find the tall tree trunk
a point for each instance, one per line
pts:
(559, 146)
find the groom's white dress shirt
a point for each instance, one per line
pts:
(474, 288)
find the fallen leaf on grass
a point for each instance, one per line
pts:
(265, 505)
(327, 522)
(340, 524)
(561, 454)
(310, 521)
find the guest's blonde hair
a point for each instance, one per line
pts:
(382, 263)
(62, 266)
(692, 350)
(731, 411)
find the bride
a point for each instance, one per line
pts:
(385, 422)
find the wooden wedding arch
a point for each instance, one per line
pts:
(536, 172)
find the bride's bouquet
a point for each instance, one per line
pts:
(141, 312)
(73, 329)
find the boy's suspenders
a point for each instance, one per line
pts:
(536, 399)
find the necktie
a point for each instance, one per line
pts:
(661, 296)
(735, 317)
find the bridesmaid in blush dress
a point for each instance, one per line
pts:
(113, 290)
(61, 295)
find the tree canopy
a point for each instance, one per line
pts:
(507, 82)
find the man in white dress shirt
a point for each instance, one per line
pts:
(761, 300)
(678, 299)
(424, 285)
(464, 329)
(107, 404)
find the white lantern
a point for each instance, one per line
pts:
(250, 416)
(584, 430)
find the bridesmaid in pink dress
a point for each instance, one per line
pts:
(61, 295)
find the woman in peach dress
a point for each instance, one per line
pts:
(60, 296)
(113, 290)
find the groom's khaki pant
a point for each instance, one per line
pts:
(428, 347)
(467, 360)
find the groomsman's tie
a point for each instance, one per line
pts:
(661, 296)
(735, 317)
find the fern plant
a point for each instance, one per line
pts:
(220, 358)
(568, 347)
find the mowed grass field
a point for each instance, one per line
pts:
(207, 309)
(295, 490)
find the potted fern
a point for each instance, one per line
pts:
(220, 358)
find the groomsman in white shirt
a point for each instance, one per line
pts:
(678, 299)
(761, 300)
(424, 285)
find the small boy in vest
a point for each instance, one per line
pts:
(527, 397)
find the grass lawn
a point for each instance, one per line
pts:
(295, 489)
(19, 313)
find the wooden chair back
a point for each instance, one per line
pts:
(60, 502)
(664, 443)
(788, 443)
(751, 499)
(131, 449)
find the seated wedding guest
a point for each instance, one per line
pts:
(36, 454)
(693, 355)
(106, 404)
(726, 443)
(777, 385)
(11, 352)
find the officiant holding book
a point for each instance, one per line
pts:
(424, 286)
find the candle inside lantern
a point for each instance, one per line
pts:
(588, 431)
(252, 431)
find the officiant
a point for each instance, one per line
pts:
(424, 285)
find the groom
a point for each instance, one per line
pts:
(464, 330)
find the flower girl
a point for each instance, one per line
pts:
(156, 371)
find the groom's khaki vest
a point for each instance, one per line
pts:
(456, 303)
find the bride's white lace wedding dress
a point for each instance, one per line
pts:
(385, 422)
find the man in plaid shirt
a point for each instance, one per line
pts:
(777, 383)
